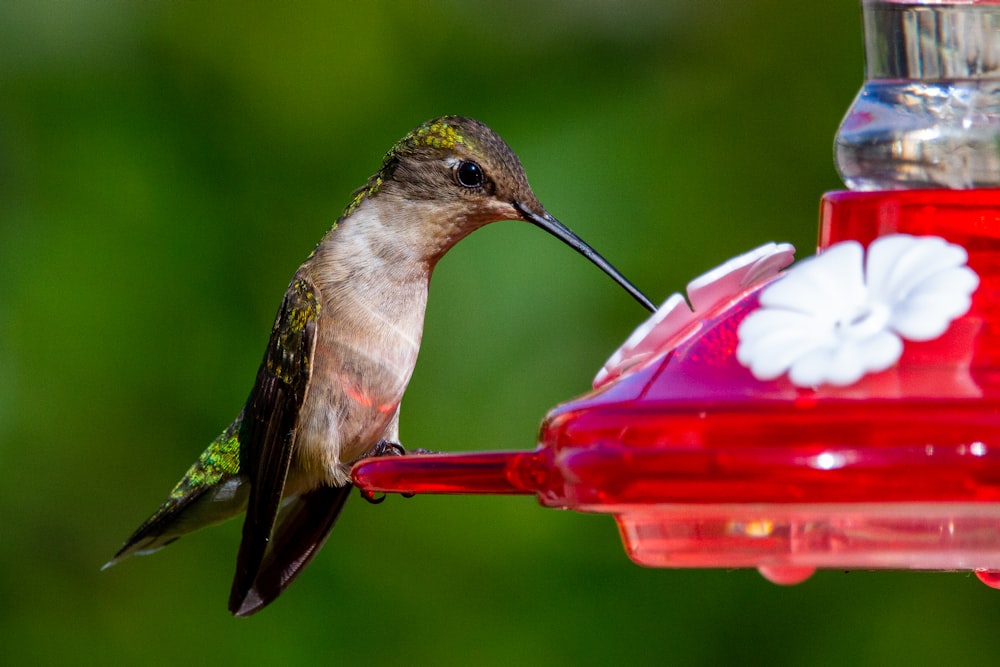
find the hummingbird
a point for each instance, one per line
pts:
(341, 352)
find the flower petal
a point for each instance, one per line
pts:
(880, 351)
(825, 365)
(899, 263)
(738, 274)
(771, 340)
(832, 281)
(822, 323)
(930, 307)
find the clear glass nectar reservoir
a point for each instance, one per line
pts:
(928, 115)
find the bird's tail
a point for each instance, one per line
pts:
(211, 491)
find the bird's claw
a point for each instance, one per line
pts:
(372, 497)
(387, 448)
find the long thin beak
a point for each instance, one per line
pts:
(563, 233)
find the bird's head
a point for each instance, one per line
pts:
(454, 175)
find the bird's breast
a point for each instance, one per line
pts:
(365, 353)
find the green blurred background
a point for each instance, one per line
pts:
(164, 168)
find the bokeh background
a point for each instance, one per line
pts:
(164, 168)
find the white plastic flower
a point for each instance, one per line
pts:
(834, 317)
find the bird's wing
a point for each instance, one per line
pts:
(302, 528)
(269, 426)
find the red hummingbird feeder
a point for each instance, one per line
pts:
(844, 413)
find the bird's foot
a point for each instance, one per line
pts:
(371, 496)
(387, 448)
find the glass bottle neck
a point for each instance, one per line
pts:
(931, 41)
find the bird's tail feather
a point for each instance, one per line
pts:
(180, 515)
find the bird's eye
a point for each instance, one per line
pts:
(469, 174)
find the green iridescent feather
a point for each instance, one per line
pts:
(219, 461)
(437, 134)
